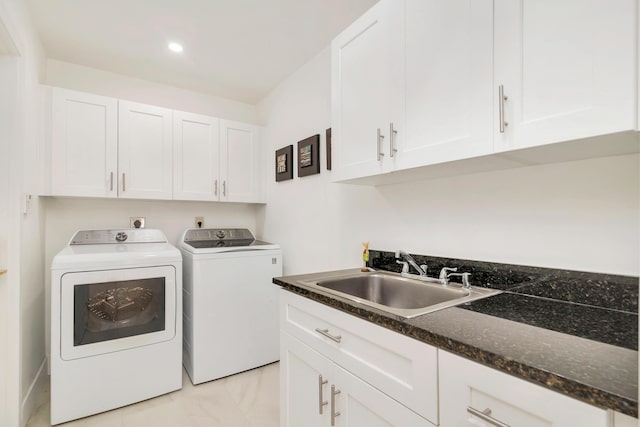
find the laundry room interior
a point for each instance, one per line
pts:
(539, 186)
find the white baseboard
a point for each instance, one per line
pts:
(33, 393)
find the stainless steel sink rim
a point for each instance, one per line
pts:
(472, 294)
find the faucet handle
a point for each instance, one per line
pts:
(443, 273)
(405, 266)
(465, 279)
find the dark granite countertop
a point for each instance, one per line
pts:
(573, 332)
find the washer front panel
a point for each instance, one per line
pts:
(69, 281)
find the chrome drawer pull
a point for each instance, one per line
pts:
(392, 140)
(501, 99)
(484, 416)
(321, 402)
(334, 413)
(325, 332)
(380, 153)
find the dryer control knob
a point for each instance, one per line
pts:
(121, 236)
(220, 234)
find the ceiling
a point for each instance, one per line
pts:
(235, 49)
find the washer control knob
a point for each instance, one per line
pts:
(220, 234)
(121, 236)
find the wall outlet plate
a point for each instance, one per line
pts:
(136, 222)
(199, 222)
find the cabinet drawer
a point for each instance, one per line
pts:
(404, 368)
(468, 388)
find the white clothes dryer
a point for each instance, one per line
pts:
(231, 321)
(116, 321)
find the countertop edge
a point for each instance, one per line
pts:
(566, 386)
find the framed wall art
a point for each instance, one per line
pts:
(309, 156)
(284, 163)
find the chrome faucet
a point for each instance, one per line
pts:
(422, 269)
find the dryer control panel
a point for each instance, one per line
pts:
(103, 237)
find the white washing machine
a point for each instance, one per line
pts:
(230, 303)
(116, 321)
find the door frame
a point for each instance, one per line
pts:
(10, 185)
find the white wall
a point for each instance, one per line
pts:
(86, 79)
(581, 215)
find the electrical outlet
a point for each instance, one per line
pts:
(136, 221)
(199, 222)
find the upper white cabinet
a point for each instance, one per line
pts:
(366, 86)
(102, 147)
(412, 86)
(84, 144)
(425, 82)
(567, 69)
(448, 69)
(240, 157)
(144, 151)
(196, 146)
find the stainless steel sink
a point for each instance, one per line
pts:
(400, 296)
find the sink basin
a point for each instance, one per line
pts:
(401, 296)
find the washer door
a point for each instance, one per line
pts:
(114, 310)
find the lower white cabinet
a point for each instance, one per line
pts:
(475, 395)
(332, 362)
(317, 392)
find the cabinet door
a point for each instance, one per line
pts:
(84, 144)
(240, 162)
(195, 157)
(366, 81)
(468, 386)
(144, 151)
(304, 394)
(361, 405)
(354, 404)
(448, 81)
(567, 69)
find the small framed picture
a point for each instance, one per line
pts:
(309, 156)
(284, 163)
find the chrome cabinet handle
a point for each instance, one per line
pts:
(325, 332)
(380, 153)
(392, 140)
(224, 188)
(123, 183)
(485, 416)
(321, 402)
(215, 188)
(501, 99)
(334, 413)
(111, 181)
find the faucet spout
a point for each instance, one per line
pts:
(422, 269)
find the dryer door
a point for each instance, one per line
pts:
(114, 310)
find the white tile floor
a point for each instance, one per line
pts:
(248, 399)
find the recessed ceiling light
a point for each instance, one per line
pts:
(175, 47)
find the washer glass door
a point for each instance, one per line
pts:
(114, 310)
